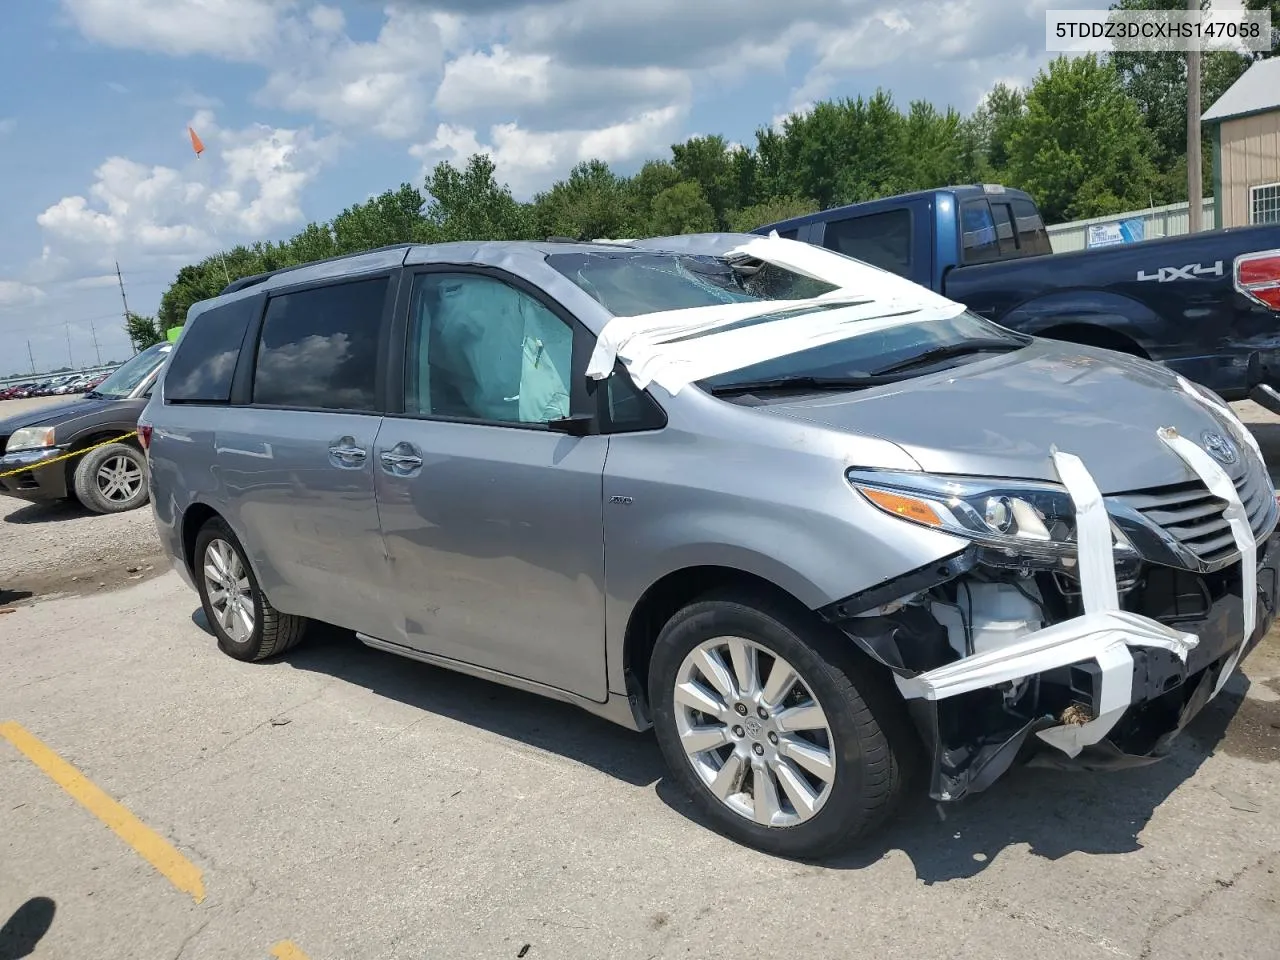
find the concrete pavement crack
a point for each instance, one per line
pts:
(1199, 903)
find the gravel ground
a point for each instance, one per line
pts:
(57, 550)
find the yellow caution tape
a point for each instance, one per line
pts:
(67, 456)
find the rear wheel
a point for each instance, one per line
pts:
(760, 717)
(247, 626)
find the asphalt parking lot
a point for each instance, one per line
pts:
(342, 803)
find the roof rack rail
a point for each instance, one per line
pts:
(257, 278)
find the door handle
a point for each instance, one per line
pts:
(402, 460)
(401, 457)
(347, 451)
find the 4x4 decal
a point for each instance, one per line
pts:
(1189, 272)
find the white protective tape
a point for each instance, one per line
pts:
(673, 348)
(1236, 425)
(1220, 485)
(1103, 633)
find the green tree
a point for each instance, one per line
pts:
(991, 127)
(708, 162)
(143, 331)
(1082, 149)
(394, 216)
(1157, 81)
(682, 208)
(771, 211)
(1273, 7)
(592, 203)
(470, 204)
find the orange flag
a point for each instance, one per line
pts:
(196, 144)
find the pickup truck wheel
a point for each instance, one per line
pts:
(760, 719)
(247, 626)
(112, 479)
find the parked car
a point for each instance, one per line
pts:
(811, 522)
(109, 478)
(1206, 305)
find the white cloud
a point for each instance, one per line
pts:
(116, 87)
(247, 187)
(530, 160)
(16, 294)
(480, 82)
(95, 282)
(380, 85)
(232, 29)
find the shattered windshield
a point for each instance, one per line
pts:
(629, 283)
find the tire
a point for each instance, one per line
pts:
(870, 747)
(112, 479)
(271, 632)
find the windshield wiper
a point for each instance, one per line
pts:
(949, 351)
(92, 395)
(800, 383)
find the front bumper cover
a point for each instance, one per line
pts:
(26, 476)
(1133, 683)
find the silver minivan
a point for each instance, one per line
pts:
(818, 526)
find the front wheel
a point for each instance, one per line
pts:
(760, 718)
(112, 479)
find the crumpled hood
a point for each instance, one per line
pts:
(999, 416)
(52, 414)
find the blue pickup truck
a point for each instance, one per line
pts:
(1205, 304)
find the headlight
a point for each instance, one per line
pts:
(1026, 518)
(30, 438)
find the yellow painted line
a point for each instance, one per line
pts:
(148, 844)
(288, 950)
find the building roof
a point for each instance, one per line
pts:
(1257, 91)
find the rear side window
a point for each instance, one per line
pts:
(1003, 218)
(204, 360)
(319, 347)
(1032, 236)
(789, 234)
(978, 237)
(880, 239)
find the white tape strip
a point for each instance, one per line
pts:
(1243, 433)
(676, 347)
(1220, 485)
(1094, 549)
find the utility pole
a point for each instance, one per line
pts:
(97, 352)
(125, 301)
(1195, 181)
(30, 358)
(70, 362)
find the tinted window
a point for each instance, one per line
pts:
(480, 349)
(789, 234)
(319, 347)
(628, 407)
(978, 232)
(204, 359)
(880, 239)
(1003, 218)
(1032, 236)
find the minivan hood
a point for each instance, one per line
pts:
(43, 416)
(999, 416)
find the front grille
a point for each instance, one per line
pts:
(1190, 514)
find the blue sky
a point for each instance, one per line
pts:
(307, 107)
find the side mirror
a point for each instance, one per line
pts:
(575, 425)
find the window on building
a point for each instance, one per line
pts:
(1264, 203)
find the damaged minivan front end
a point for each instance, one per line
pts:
(1077, 629)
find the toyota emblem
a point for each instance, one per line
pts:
(1220, 448)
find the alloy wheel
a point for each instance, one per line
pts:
(754, 732)
(119, 479)
(230, 594)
